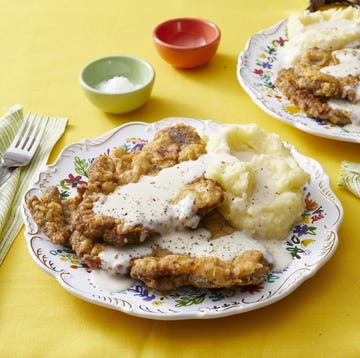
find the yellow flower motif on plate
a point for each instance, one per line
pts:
(306, 242)
(157, 303)
(292, 109)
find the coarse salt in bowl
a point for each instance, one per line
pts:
(118, 84)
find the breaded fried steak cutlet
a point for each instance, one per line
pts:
(318, 64)
(107, 172)
(156, 216)
(306, 86)
(174, 271)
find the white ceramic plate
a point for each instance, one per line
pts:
(256, 72)
(311, 243)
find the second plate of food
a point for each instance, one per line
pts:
(256, 72)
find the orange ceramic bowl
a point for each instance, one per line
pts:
(187, 42)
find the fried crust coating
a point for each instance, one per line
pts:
(215, 223)
(308, 102)
(59, 218)
(309, 89)
(87, 249)
(206, 194)
(308, 77)
(106, 228)
(52, 215)
(170, 146)
(174, 271)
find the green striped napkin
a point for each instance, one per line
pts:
(350, 177)
(12, 192)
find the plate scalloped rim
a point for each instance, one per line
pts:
(78, 283)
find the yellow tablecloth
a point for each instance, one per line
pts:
(44, 44)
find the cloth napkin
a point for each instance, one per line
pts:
(350, 177)
(12, 192)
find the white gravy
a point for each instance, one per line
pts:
(111, 282)
(354, 110)
(116, 261)
(264, 190)
(148, 202)
(349, 63)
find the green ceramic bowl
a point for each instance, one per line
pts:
(128, 83)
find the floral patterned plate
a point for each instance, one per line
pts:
(311, 243)
(256, 72)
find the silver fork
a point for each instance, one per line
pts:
(24, 145)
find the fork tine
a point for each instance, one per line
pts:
(31, 133)
(21, 131)
(25, 136)
(38, 133)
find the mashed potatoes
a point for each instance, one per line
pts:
(264, 193)
(329, 29)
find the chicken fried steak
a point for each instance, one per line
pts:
(58, 219)
(173, 271)
(310, 88)
(78, 222)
